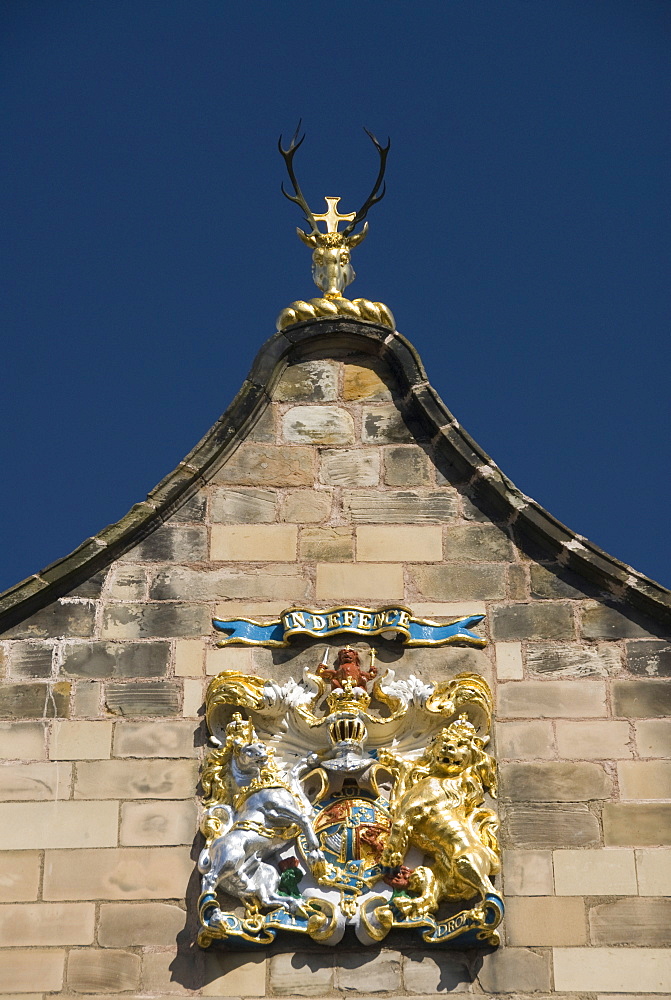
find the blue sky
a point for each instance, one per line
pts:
(523, 245)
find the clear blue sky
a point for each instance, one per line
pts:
(523, 245)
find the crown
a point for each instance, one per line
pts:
(347, 727)
(348, 698)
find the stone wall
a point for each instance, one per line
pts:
(335, 494)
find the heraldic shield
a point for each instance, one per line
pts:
(349, 798)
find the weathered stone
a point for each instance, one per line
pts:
(552, 699)
(634, 921)
(22, 782)
(36, 701)
(349, 468)
(22, 741)
(509, 666)
(265, 428)
(597, 740)
(268, 465)
(471, 583)
(155, 739)
(318, 425)
(641, 699)
(653, 871)
(124, 925)
(128, 583)
(42, 971)
(327, 544)
(136, 779)
(400, 506)
(253, 542)
(649, 657)
(517, 583)
(528, 873)
(378, 974)
(367, 581)
(309, 382)
(511, 970)
(595, 873)
(588, 970)
(573, 660)
(229, 658)
(280, 583)
(399, 543)
(189, 657)
(99, 971)
(301, 975)
(407, 465)
(87, 699)
(161, 698)
(192, 510)
(524, 740)
(166, 972)
(307, 506)
(552, 827)
(653, 738)
(157, 823)
(71, 824)
(555, 782)
(644, 779)
(481, 542)
(557, 582)
(384, 424)
(47, 924)
(61, 619)
(243, 506)
(147, 621)
(172, 543)
(639, 824)
(118, 873)
(30, 659)
(116, 659)
(546, 920)
(80, 740)
(229, 975)
(600, 621)
(90, 588)
(436, 972)
(548, 620)
(19, 876)
(366, 380)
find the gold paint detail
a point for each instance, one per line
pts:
(333, 305)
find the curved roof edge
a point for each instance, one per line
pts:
(471, 464)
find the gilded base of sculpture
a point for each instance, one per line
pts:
(297, 312)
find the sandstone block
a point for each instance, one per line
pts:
(318, 425)
(166, 972)
(378, 974)
(644, 779)
(277, 583)
(452, 582)
(36, 701)
(653, 738)
(146, 621)
(46, 924)
(555, 782)
(643, 970)
(362, 581)
(435, 973)
(23, 782)
(573, 660)
(479, 542)
(155, 739)
(254, 542)
(599, 621)
(399, 543)
(307, 506)
(552, 826)
(80, 740)
(265, 428)
(194, 696)
(549, 582)
(124, 925)
(229, 657)
(192, 510)
(545, 920)
(549, 620)
(136, 779)
(22, 741)
(116, 659)
(638, 824)
(234, 975)
(349, 467)
(19, 876)
(30, 659)
(119, 873)
(401, 506)
(327, 544)
(552, 699)
(642, 698)
(189, 656)
(595, 873)
(524, 740)
(597, 740)
(128, 583)
(509, 665)
(449, 610)
(366, 380)
(43, 971)
(268, 465)
(103, 971)
(528, 873)
(637, 920)
(87, 698)
(161, 698)
(243, 506)
(649, 657)
(407, 465)
(172, 543)
(56, 621)
(653, 870)
(31, 825)
(517, 583)
(510, 970)
(383, 423)
(157, 823)
(309, 382)
(301, 975)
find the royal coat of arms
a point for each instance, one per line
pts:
(350, 797)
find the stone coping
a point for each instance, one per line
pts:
(468, 464)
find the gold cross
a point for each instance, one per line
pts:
(331, 217)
